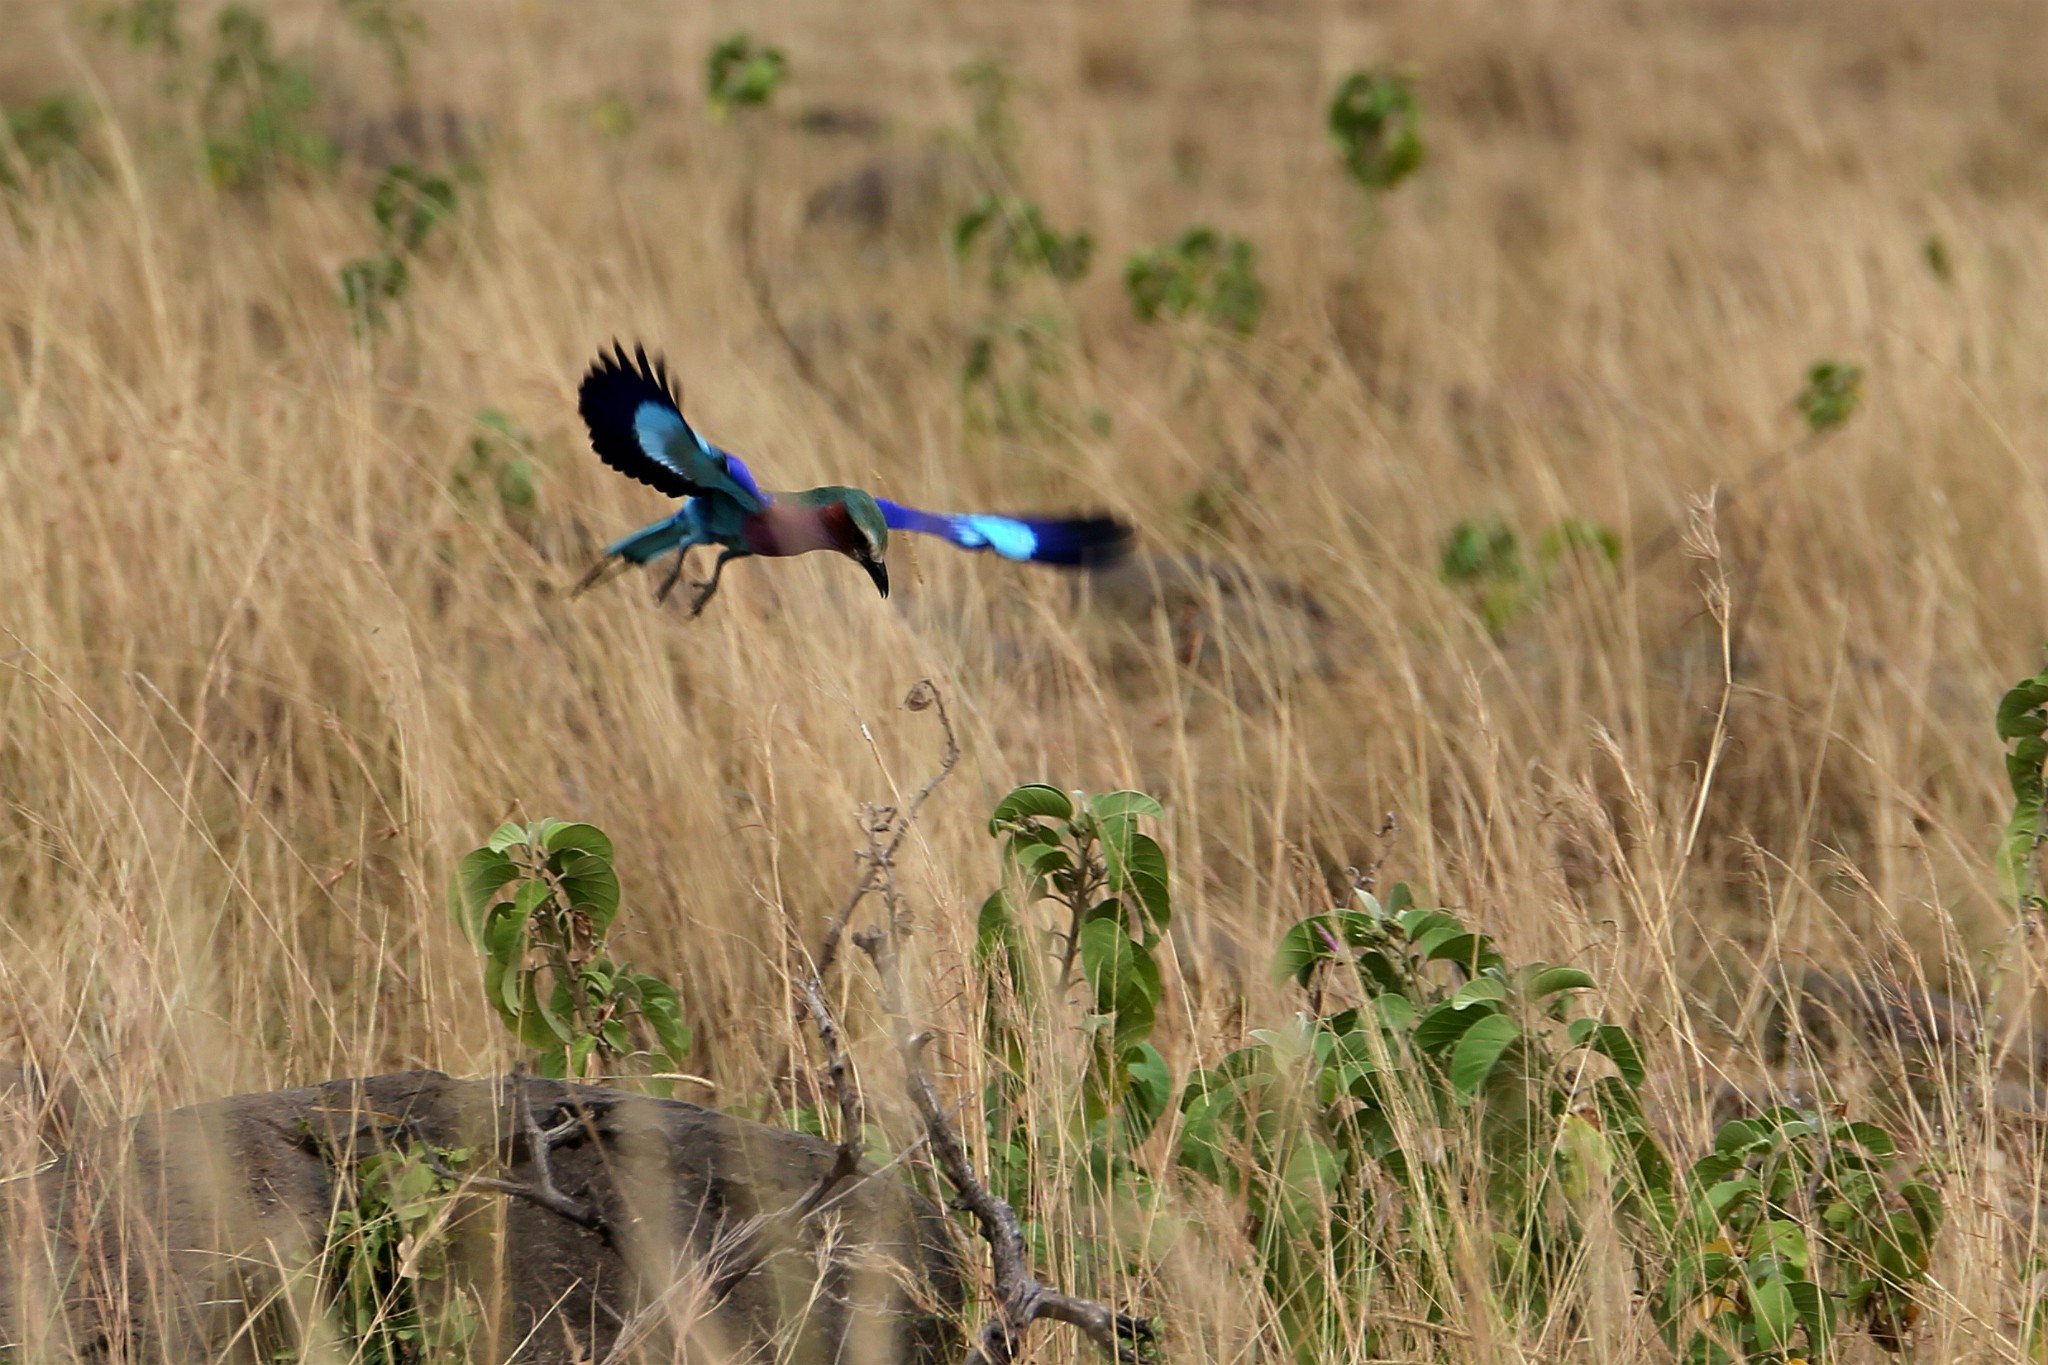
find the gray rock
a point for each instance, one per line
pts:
(199, 1233)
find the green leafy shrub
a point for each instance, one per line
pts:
(1377, 125)
(257, 107)
(1832, 393)
(1108, 878)
(406, 205)
(741, 74)
(368, 284)
(48, 133)
(1009, 357)
(392, 25)
(538, 901)
(386, 1259)
(2023, 726)
(147, 25)
(1021, 242)
(1484, 557)
(500, 465)
(1461, 1088)
(1792, 1226)
(992, 128)
(1202, 275)
(1320, 1126)
(1011, 351)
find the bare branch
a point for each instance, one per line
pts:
(1020, 1297)
(884, 829)
(540, 1145)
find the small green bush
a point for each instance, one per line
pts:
(48, 133)
(386, 1258)
(1484, 558)
(258, 106)
(1201, 275)
(1831, 396)
(2023, 727)
(742, 74)
(1377, 124)
(1021, 242)
(539, 901)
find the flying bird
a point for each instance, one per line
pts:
(637, 427)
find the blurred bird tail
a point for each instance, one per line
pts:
(1083, 542)
(644, 545)
(611, 566)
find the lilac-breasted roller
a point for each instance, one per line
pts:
(637, 427)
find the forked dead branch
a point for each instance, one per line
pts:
(1021, 1298)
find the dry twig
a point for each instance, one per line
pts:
(1021, 1298)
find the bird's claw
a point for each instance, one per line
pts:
(704, 592)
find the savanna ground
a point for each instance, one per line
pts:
(280, 645)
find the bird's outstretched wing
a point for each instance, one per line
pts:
(637, 428)
(1069, 542)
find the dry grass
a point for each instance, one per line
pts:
(264, 676)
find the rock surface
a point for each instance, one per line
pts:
(203, 1233)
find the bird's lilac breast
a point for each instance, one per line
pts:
(786, 527)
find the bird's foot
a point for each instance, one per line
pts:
(704, 592)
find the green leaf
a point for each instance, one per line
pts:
(579, 1054)
(1551, 980)
(1318, 938)
(478, 878)
(1034, 800)
(1924, 1202)
(529, 1023)
(555, 1006)
(1615, 1043)
(2018, 849)
(1443, 1025)
(506, 836)
(1478, 1050)
(994, 929)
(1576, 535)
(1396, 1011)
(1107, 960)
(2021, 713)
(1816, 1313)
(1149, 1091)
(1465, 949)
(1110, 805)
(740, 73)
(531, 896)
(1038, 859)
(1774, 1313)
(1873, 1139)
(1477, 989)
(592, 887)
(970, 224)
(1137, 871)
(1377, 125)
(562, 836)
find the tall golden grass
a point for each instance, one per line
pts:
(265, 672)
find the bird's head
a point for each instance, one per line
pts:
(863, 533)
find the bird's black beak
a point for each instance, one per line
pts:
(878, 571)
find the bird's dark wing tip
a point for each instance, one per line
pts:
(612, 393)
